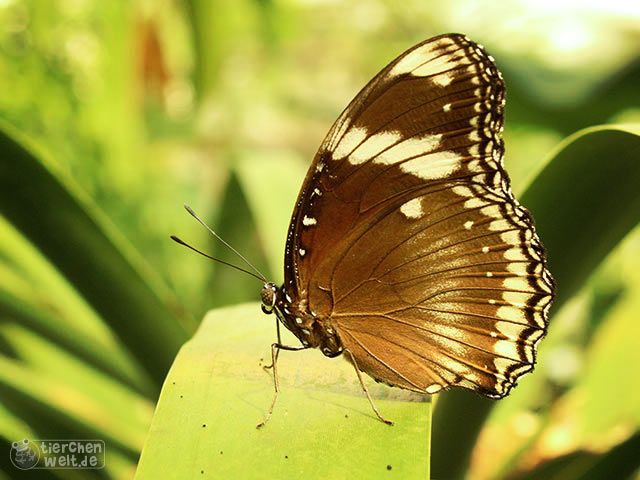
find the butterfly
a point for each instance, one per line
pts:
(407, 251)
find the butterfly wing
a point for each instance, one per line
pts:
(406, 237)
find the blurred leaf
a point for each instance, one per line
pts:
(219, 29)
(322, 426)
(55, 216)
(585, 200)
(604, 298)
(620, 463)
(611, 362)
(271, 183)
(13, 429)
(607, 97)
(235, 224)
(52, 406)
(604, 312)
(111, 361)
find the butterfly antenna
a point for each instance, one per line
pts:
(182, 242)
(194, 215)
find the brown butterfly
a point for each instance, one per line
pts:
(407, 250)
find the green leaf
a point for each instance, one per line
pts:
(322, 426)
(47, 323)
(71, 398)
(584, 201)
(56, 217)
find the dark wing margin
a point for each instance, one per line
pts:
(407, 237)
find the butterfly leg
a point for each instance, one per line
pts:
(275, 350)
(279, 342)
(366, 390)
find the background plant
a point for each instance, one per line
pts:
(114, 113)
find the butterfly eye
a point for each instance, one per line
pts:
(268, 295)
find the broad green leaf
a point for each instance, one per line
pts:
(322, 426)
(44, 357)
(56, 217)
(584, 201)
(34, 293)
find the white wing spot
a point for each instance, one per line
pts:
(468, 225)
(489, 274)
(443, 80)
(433, 165)
(485, 249)
(435, 66)
(309, 221)
(447, 107)
(409, 148)
(349, 142)
(412, 208)
(510, 329)
(344, 125)
(298, 320)
(433, 388)
(419, 57)
(302, 251)
(373, 146)
(512, 314)
(506, 348)
(516, 283)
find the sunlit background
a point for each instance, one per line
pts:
(149, 104)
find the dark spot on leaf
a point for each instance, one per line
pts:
(220, 452)
(173, 383)
(389, 467)
(204, 425)
(346, 416)
(286, 456)
(201, 471)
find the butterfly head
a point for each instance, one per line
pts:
(268, 295)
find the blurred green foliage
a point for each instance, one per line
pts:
(114, 113)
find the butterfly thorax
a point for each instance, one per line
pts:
(311, 329)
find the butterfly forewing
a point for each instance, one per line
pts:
(406, 238)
